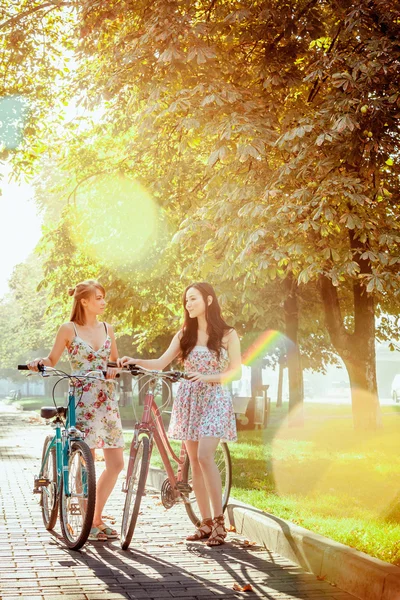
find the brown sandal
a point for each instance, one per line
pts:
(202, 532)
(218, 532)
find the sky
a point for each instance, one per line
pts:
(21, 227)
(21, 223)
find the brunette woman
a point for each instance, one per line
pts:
(202, 413)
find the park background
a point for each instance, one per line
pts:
(251, 144)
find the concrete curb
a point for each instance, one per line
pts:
(357, 573)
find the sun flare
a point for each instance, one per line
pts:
(118, 220)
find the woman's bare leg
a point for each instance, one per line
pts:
(211, 476)
(198, 483)
(114, 460)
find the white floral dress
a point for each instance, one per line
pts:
(97, 413)
(203, 409)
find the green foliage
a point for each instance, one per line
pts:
(278, 116)
(36, 45)
(266, 133)
(25, 331)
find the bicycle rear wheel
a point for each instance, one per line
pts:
(49, 494)
(77, 509)
(224, 464)
(140, 460)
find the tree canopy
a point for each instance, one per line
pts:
(267, 135)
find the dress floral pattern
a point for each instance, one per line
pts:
(97, 414)
(203, 409)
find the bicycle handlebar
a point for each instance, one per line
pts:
(42, 369)
(136, 370)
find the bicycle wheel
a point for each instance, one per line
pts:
(140, 459)
(77, 509)
(224, 464)
(49, 493)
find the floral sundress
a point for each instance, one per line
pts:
(203, 409)
(97, 414)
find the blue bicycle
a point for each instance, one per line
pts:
(67, 478)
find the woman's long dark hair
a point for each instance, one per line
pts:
(216, 326)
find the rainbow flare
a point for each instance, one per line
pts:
(266, 341)
(259, 348)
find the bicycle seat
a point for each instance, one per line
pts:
(48, 412)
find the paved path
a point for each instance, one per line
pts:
(160, 565)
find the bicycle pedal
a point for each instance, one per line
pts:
(74, 509)
(39, 482)
(184, 488)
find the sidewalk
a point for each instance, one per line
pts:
(161, 565)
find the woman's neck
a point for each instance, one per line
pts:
(202, 323)
(90, 321)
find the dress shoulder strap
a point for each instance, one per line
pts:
(76, 332)
(105, 327)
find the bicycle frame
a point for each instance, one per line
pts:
(61, 442)
(152, 424)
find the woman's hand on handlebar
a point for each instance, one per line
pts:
(34, 364)
(125, 361)
(111, 373)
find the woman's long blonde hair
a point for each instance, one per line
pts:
(85, 289)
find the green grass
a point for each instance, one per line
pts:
(326, 477)
(34, 403)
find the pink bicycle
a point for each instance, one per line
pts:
(177, 486)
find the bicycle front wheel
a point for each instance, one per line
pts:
(224, 465)
(49, 494)
(77, 508)
(137, 475)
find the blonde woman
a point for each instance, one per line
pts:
(90, 344)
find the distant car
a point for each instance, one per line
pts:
(396, 388)
(308, 389)
(339, 389)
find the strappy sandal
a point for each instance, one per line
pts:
(96, 535)
(111, 534)
(203, 531)
(218, 532)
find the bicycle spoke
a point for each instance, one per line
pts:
(48, 499)
(77, 507)
(137, 474)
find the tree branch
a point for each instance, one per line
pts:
(17, 18)
(317, 83)
(363, 302)
(278, 38)
(209, 10)
(73, 193)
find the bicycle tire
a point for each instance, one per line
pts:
(75, 535)
(224, 464)
(140, 457)
(49, 493)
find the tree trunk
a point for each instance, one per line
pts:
(295, 371)
(280, 384)
(256, 390)
(364, 396)
(357, 350)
